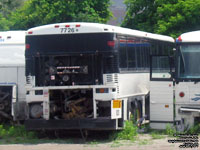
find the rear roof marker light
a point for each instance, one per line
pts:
(67, 26)
(30, 32)
(78, 25)
(179, 39)
(56, 26)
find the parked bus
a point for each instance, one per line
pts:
(12, 77)
(176, 96)
(88, 75)
(187, 79)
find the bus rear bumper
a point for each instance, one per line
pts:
(76, 124)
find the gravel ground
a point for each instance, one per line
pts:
(144, 142)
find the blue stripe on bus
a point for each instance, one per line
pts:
(135, 45)
(8, 83)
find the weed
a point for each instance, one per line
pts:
(128, 133)
(195, 129)
(15, 134)
(170, 130)
(116, 143)
(94, 143)
(144, 142)
(157, 135)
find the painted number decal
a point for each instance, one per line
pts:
(68, 30)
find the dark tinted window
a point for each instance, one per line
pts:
(134, 53)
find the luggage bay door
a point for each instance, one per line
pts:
(161, 92)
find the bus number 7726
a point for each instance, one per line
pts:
(68, 30)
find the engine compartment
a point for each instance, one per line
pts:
(5, 103)
(71, 104)
(68, 70)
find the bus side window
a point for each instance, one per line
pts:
(132, 59)
(123, 53)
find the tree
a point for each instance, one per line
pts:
(4, 23)
(40, 12)
(7, 6)
(140, 14)
(171, 17)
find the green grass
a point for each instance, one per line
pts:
(116, 143)
(93, 143)
(15, 134)
(170, 130)
(19, 135)
(195, 129)
(144, 142)
(128, 133)
(157, 135)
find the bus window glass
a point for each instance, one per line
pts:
(161, 67)
(187, 67)
(123, 54)
(131, 57)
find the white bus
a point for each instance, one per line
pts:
(88, 75)
(12, 77)
(187, 79)
(177, 97)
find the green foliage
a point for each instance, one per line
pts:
(128, 133)
(170, 130)
(195, 129)
(40, 12)
(17, 133)
(7, 6)
(156, 135)
(164, 17)
(144, 142)
(4, 23)
(140, 14)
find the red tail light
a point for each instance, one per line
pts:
(67, 26)
(78, 25)
(111, 43)
(27, 46)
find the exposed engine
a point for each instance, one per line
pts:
(5, 103)
(71, 104)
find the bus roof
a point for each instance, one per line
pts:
(12, 48)
(12, 37)
(81, 27)
(189, 37)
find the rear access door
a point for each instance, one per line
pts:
(161, 92)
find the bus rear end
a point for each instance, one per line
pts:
(71, 77)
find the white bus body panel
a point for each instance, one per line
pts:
(133, 84)
(14, 75)
(187, 107)
(127, 85)
(161, 104)
(12, 65)
(12, 60)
